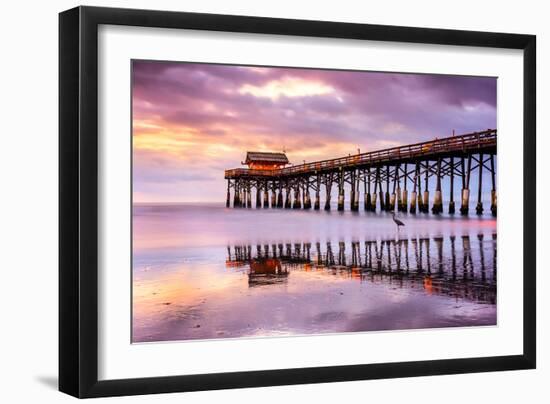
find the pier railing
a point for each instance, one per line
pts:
(454, 144)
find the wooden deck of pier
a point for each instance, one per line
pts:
(450, 156)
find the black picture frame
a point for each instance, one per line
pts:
(78, 200)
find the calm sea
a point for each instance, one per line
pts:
(202, 271)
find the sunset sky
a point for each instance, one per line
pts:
(192, 121)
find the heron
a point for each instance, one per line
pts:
(397, 221)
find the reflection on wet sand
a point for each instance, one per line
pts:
(407, 263)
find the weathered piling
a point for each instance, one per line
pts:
(479, 206)
(307, 198)
(381, 192)
(403, 195)
(412, 209)
(266, 196)
(353, 191)
(258, 197)
(452, 175)
(465, 197)
(249, 197)
(236, 195)
(317, 204)
(273, 198)
(366, 186)
(387, 200)
(288, 199)
(426, 201)
(297, 203)
(328, 188)
(493, 189)
(341, 190)
(280, 203)
(228, 199)
(437, 207)
(395, 189)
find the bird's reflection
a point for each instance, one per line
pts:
(456, 265)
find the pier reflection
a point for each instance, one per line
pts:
(457, 266)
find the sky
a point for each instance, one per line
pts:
(193, 121)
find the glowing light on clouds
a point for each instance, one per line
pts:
(288, 87)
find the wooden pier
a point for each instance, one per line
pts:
(384, 178)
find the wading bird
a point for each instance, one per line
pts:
(397, 221)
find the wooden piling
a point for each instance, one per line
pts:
(328, 190)
(258, 196)
(236, 194)
(317, 204)
(465, 197)
(273, 197)
(404, 195)
(380, 191)
(288, 199)
(368, 200)
(352, 191)
(228, 199)
(426, 201)
(266, 196)
(479, 206)
(341, 190)
(356, 200)
(297, 203)
(452, 190)
(307, 198)
(395, 189)
(437, 207)
(412, 209)
(387, 200)
(493, 189)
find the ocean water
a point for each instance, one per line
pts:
(203, 271)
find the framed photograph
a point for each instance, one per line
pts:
(251, 201)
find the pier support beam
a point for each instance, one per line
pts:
(479, 206)
(465, 197)
(405, 195)
(366, 185)
(413, 193)
(341, 191)
(266, 196)
(236, 194)
(354, 197)
(426, 201)
(437, 207)
(387, 200)
(273, 198)
(228, 199)
(317, 204)
(258, 196)
(280, 203)
(352, 191)
(328, 189)
(395, 190)
(307, 198)
(380, 191)
(493, 189)
(297, 203)
(402, 194)
(288, 203)
(452, 199)
(248, 196)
